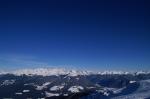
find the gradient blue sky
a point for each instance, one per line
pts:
(89, 34)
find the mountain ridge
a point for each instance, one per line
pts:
(69, 72)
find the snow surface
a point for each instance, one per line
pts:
(65, 94)
(132, 82)
(25, 91)
(38, 87)
(48, 94)
(117, 91)
(56, 88)
(18, 93)
(75, 89)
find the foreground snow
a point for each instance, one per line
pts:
(143, 92)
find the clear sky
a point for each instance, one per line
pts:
(90, 34)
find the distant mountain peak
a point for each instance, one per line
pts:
(62, 71)
(49, 72)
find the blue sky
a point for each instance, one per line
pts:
(97, 35)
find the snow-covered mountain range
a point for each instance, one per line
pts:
(61, 71)
(57, 83)
(47, 72)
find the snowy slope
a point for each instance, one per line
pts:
(143, 92)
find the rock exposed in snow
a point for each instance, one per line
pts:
(8, 82)
(143, 92)
(106, 93)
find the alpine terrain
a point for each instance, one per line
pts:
(54, 83)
